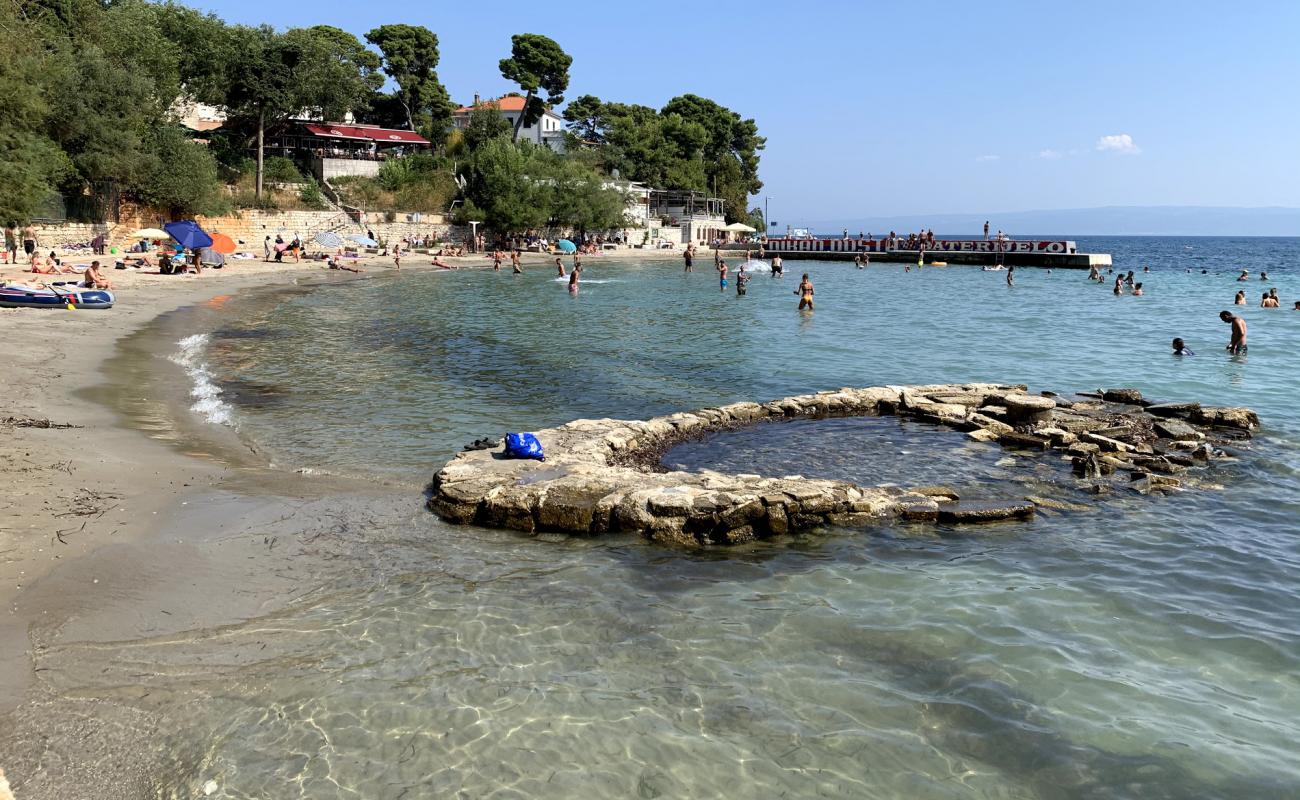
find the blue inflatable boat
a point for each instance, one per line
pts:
(55, 295)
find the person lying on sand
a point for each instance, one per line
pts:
(438, 262)
(52, 268)
(337, 263)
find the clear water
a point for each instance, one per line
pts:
(1148, 649)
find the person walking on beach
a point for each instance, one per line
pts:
(266, 249)
(1237, 345)
(11, 244)
(689, 257)
(805, 292)
(397, 255)
(29, 241)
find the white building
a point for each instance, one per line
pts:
(549, 130)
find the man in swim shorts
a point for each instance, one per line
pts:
(29, 241)
(689, 257)
(559, 266)
(1237, 346)
(778, 270)
(722, 275)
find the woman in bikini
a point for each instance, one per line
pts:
(805, 292)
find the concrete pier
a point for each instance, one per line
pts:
(1059, 254)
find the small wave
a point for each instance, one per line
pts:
(207, 395)
(584, 281)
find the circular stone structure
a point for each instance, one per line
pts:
(600, 475)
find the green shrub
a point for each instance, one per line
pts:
(311, 195)
(278, 169)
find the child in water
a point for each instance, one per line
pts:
(742, 279)
(1181, 349)
(559, 266)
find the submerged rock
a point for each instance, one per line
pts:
(984, 512)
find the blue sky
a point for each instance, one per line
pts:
(877, 109)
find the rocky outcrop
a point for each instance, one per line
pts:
(602, 475)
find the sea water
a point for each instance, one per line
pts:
(1149, 648)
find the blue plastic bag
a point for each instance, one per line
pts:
(523, 445)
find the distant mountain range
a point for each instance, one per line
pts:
(1105, 221)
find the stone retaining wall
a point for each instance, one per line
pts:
(591, 482)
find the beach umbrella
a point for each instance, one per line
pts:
(738, 227)
(189, 234)
(363, 240)
(223, 244)
(328, 239)
(566, 246)
(150, 233)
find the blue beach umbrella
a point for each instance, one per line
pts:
(189, 234)
(365, 241)
(566, 246)
(328, 239)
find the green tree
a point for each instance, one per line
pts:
(178, 174)
(730, 150)
(536, 63)
(270, 77)
(485, 124)
(31, 164)
(585, 118)
(508, 184)
(411, 60)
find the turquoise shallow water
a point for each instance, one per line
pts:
(1149, 649)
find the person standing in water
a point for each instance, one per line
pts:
(1011, 275)
(742, 280)
(722, 275)
(514, 263)
(778, 270)
(1237, 345)
(805, 292)
(559, 266)
(1240, 299)
(1269, 301)
(1119, 285)
(1181, 348)
(397, 255)
(689, 257)
(573, 279)
(496, 260)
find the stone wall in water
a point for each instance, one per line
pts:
(602, 475)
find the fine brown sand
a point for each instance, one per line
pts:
(103, 528)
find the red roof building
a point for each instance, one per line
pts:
(548, 131)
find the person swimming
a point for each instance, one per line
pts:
(1244, 276)
(1181, 349)
(1119, 285)
(1269, 301)
(805, 292)
(1137, 290)
(1240, 299)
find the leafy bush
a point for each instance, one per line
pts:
(278, 169)
(311, 195)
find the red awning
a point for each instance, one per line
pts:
(365, 133)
